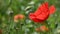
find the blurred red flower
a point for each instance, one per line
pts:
(42, 13)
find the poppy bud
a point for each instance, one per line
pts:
(44, 28)
(19, 16)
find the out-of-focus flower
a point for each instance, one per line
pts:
(19, 16)
(42, 13)
(42, 28)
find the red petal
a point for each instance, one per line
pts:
(52, 9)
(44, 12)
(41, 8)
(43, 16)
(33, 17)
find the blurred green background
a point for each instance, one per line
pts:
(9, 8)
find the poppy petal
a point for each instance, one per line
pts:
(43, 16)
(44, 13)
(33, 17)
(41, 8)
(52, 9)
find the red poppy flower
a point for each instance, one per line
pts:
(42, 13)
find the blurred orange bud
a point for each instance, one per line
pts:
(44, 28)
(19, 16)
